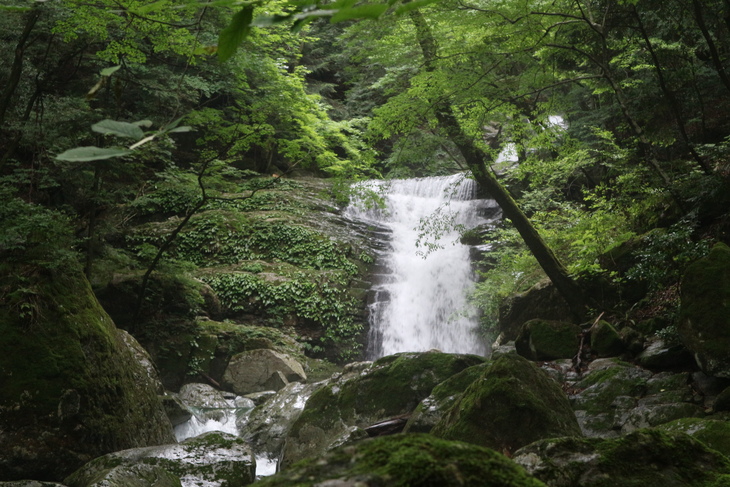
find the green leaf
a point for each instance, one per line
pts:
(413, 5)
(91, 153)
(122, 129)
(143, 123)
(110, 71)
(14, 9)
(372, 11)
(183, 128)
(232, 36)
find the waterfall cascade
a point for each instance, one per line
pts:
(420, 298)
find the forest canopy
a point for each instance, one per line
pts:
(614, 111)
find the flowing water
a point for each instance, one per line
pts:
(420, 297)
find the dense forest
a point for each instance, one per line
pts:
(135, 133)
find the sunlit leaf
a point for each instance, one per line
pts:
(413, 5)
(91, 153)
(372, 11)
(110, 71)
(122, 129)
(232, 36)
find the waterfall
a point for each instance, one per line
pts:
(420, 295)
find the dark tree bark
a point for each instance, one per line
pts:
(17, 68)
(476, 159)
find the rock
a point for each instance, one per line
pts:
(647, 458)
(261, 370)
(175, 409)
(512, 404)
(431, 409)
(405, 460)
(548, 340)
(618, 398)
(722, 401)
(605, 340)
(259, 398)
(73, 387)
(660, 356)
(704, 325)
(29, 483)
(212, 459)
(541, 301)
(391, 387)
(206, 401)
(267, 425)
(713, 433)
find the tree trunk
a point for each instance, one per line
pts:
(476, 161)
(17, 67)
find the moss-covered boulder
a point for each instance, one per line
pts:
(712, 432)
(431, 409)
(605, 340)
(512, 404)
(644, 458)
(393, 386)
(542, 301)
(213, 459)
(547, 340)
(406, 460)
(618, 398)
(72, 386)
(704, 326)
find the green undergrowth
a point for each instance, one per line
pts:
(316, 298)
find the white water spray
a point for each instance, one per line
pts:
(420, 301)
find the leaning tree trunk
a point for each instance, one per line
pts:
(476, 161)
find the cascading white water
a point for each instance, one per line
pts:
(421, 301)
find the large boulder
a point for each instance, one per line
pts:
(645, 458)
(512, 404)
(548, 340)
(213, 459)
(406, 460)
(442, 398)
(712, 432)
(704, 326)
(261, 370)
(207, 401)
(392, 387)
(73, 387)
(540, 301)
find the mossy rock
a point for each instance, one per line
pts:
(713, 433)
(393, 386)
(542, 301)
(431, 409)
(704, 326)
(548, 340)
(644, 458)
(72, 387)
(605, 340)
(512, 404)
(406, 460)
(212, 458)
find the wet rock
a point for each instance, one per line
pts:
(175, 409)
(605, 340)
(261, 370)
(406, 460)
(512, 404)
(442, 398)
(206, 401)
(213, 459)
(548, 340)
(72, 384)
(647, 458)
(704, 326)
(29, 483)
(266, 426)
(392, 386)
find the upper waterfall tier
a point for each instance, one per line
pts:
(420, 300)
